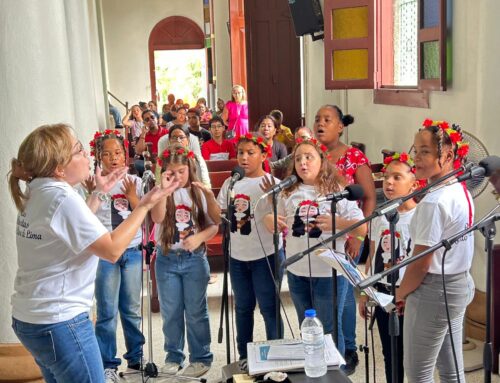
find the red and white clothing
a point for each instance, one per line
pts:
(154, 138)
(348, 164)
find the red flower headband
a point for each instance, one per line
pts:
(242, 196)
(180, 152)
(401, 157)
(387, 232)
(98, 136)
(313, 141)
(257, 140)
(308, 202)
(456, 138)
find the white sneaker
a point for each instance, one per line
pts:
(195, 369)
(170, 368)
(111, 376)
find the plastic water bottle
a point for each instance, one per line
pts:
(314, 345)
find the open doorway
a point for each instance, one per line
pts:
(178, 44)
(181, 72)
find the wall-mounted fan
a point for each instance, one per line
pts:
(477, 151)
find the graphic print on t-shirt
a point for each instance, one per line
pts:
(120, 209)
(383, 253)
(184, 226)
(241, 219)
(305, 215)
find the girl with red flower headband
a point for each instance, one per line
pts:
(444, 212)
(251, 263)
(185, 220)
(118, 285)
(399, 181)
(352, 164)
(310, 280)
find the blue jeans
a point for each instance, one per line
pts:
(118, 289)
(182, 279)
(65, 351)
(323, 298)
(253, 282)
(349, 316)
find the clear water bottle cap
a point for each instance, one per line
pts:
(311, 313)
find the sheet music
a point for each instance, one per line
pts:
(341, 262)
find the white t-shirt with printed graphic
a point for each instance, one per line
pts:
(438, 216)
(112, 213)
(184, 222)
(56, 274)
(294, 208)
(246, 225)
(380, 235)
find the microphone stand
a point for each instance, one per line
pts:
(226, 245)
(393, 218)
(383, 209)
(333, 211)
(487, 227)
(277, 281)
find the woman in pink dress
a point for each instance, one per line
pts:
(235, 114)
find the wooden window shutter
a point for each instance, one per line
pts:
(349, 44)
(433, 43)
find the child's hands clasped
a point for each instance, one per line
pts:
(192, 242)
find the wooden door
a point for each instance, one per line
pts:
(238, 46)
(273, 61)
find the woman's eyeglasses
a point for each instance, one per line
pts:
(77, 149)
(177, 138)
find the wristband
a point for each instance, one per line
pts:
(362, 239)
(362, 293)
(104, 197)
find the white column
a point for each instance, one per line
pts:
(49, 73)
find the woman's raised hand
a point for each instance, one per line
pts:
(105, 183)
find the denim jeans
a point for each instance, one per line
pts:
(65, 351)
(349, 315)
(182, 279)
(118, 289)
(323, 298)
(253, 282)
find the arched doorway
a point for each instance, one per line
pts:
(172, 33)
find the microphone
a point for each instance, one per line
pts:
(286, 183)
(237, 174)
(351, 192)
(486, 167)
(148, 176)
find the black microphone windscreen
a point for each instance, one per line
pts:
(238, 170)
(356, 192)
(490, 165)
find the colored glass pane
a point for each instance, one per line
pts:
(430, 13)
(430, 61)
(350, 64)
(350, 23)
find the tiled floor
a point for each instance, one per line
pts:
(219, 350)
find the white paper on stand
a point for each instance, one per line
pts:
(341, 263)
(260, 362)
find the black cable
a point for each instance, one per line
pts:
(276, 286)
(448, 317)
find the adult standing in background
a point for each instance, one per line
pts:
(235, 114)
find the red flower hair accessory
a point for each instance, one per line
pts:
(401, 157)
(257, 140)
(313, 141)
(455, 136)
(101, 135)
(387, 232)
(180, 152)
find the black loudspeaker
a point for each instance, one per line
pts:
(307, 16)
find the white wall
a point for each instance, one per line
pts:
(471, 100)
(47, 75)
